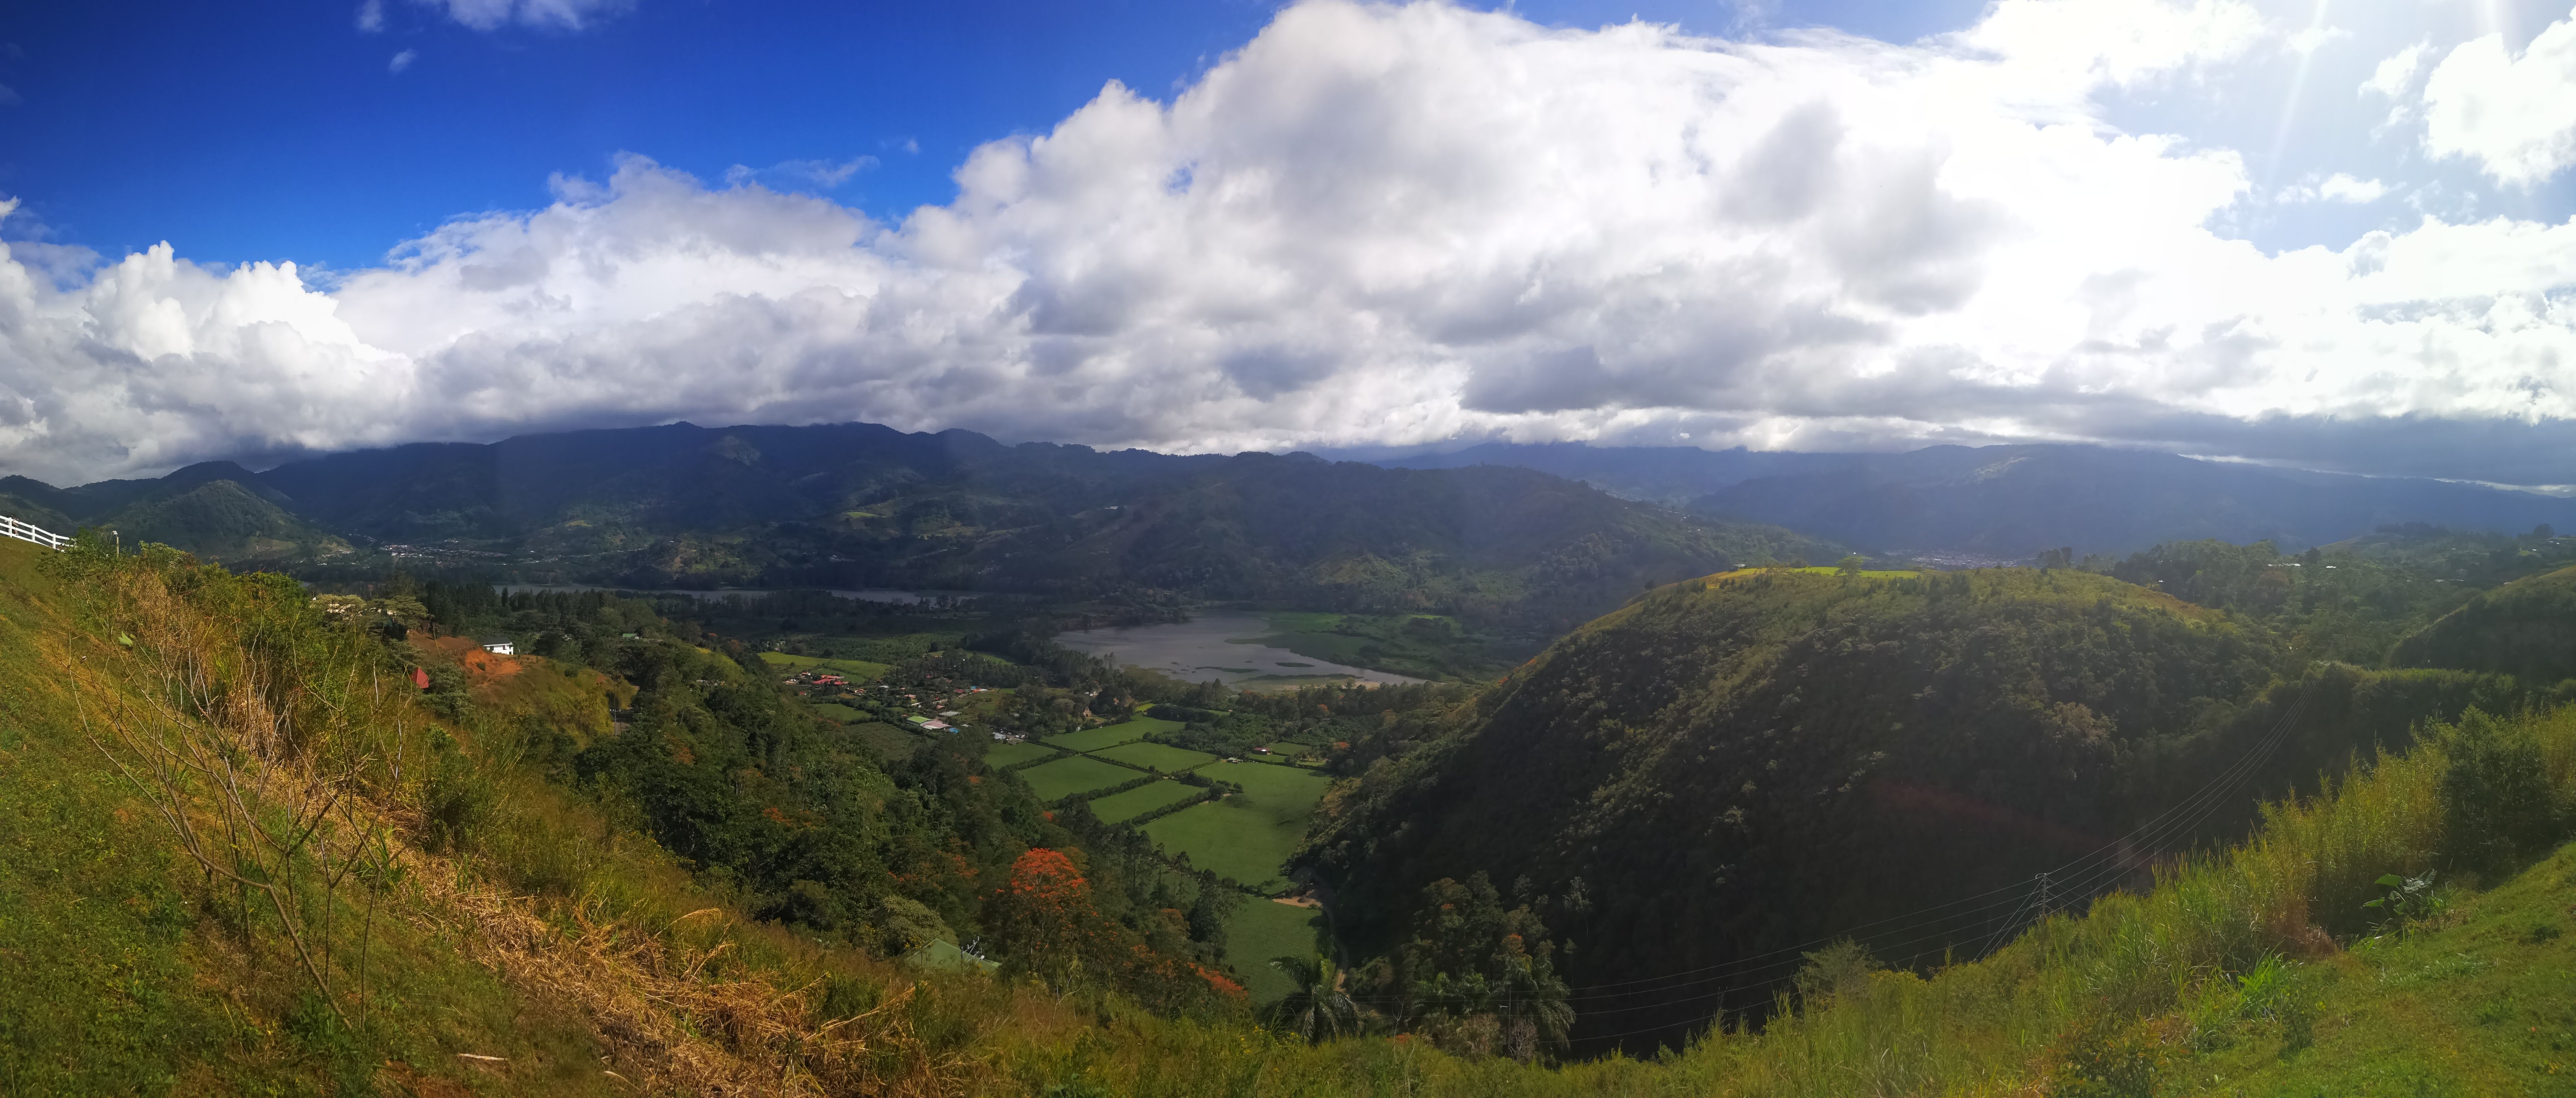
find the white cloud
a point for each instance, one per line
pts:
(2339, 187)
(495, 14)
(2396, 76)
(402, 61)
(371, 17)
(800, 174)
(1387, 225)
(2515, 116)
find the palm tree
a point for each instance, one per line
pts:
(1319, 1008)
(1531, 999)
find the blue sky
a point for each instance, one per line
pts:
(245, 132)
(2337, 234)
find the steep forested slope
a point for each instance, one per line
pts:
(1738, 765)
(2526, 628)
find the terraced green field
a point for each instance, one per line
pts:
(1077, 774)
(1121, 807)
(1013, 754)
(1092, 739)
(1156, 756)
(1247, 836)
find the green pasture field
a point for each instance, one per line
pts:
(839, 712)
(1013, 754)
(890, 741)
(1122, 807)
(1156, 756)
(853, 670)
(1261, 930)
(1249, 835)
(1078, 774)
(1092, 739)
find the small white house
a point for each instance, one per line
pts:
(500, 646)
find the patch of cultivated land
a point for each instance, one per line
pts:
(1261, 930)
(1078, 774)
(1156, 756)
(1249, 835)
(839, 712)
(1122, 807)
(1092, 739)
(890, 741)
(1013, 754)
(853, 670)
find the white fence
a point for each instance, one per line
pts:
(41, 536)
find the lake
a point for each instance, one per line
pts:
(1221, 646)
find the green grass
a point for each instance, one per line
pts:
(839, 712)
(1092, 739)
(1013, 754)
(853, 670)
(1249, 835)
(1121, 807)
(890, 741)
(1078, 774)
(1261, 930)
(1156, 756)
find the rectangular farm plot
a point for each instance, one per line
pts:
(1093, 739)
(1077, 774)
(1249, 835)
(1156, 756)
(1122, 807)
(1013, 754)
(839, 712)
(1261, 930)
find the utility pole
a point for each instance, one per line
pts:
(2041, 882)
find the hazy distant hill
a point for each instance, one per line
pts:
(2012, 501)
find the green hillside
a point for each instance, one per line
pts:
(222, 520)
(1768, 757)
(2526, 628)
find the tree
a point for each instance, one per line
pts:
(1530, 997)
(1043, 918)
(1319, 1009)
(1851, 565)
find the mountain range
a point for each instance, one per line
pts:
(2011, 502)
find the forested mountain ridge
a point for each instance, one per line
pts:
(857, 505)
(1736, 765)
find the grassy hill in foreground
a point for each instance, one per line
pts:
(463, 925)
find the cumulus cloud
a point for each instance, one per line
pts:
(1391, 225)
(371, 17)
(2514, 116)
(402, 61)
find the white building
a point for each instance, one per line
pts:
(500, 646)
